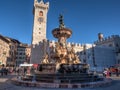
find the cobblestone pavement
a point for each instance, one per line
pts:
(5, 84)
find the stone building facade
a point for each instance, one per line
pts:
(111, 41)
(23, 54)
(104, 57)
(98, 57)
(4, 50)
(13, 43)
(10, 51)
(28, 53)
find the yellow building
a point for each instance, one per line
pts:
(13, 43)
(4, 50)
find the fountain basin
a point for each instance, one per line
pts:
(106, 81)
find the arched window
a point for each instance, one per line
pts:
(41, 13)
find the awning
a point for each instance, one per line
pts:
(26, 65)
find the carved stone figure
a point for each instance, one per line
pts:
(60, 53)
(45, 60)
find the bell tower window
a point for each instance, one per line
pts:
(41, 13)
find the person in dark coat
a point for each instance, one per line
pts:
(117, 72)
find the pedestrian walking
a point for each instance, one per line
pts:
(117, 72)
(105, 73)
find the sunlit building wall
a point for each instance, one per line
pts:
(4, 50)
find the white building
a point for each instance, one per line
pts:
(111, 41)
(98, 57)
(103, 57)
(86, 55)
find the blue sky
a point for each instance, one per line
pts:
(86, 18)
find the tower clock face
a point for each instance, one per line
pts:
(40, 19)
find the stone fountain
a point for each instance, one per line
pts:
(61, 55)
(61, 68)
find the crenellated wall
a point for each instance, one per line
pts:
(77, 46)
(107, 39)
(44, 5)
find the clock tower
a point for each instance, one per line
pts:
(40, 21)
(39, 30)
